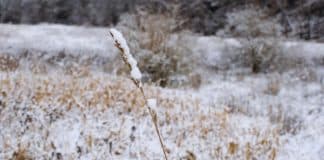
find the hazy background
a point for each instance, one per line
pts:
(300, 18)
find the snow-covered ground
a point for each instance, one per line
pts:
(89, 113)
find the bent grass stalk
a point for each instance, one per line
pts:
(136, 75)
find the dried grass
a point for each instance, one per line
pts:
(21, 154)
(212, 130)
(215, 129)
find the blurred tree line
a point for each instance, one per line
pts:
(94, 12)
(202, 16)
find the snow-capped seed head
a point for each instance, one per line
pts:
(121, 44)
(119, 40)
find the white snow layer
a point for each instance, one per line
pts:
(55, 38)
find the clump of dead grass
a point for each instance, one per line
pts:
(258, 55)
(21, 154)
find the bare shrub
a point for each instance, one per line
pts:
(162, 55)
(262, 55)
(259, 55)
(251, 22)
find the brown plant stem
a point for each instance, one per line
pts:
(155, 120)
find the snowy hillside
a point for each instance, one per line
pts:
(60, 98)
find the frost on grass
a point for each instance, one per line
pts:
(97, 117)
(121, 44)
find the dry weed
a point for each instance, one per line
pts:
(136, 76)
(21, 154)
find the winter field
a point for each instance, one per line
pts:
(62, 96)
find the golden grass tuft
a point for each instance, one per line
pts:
(21, 154)
(232, 147)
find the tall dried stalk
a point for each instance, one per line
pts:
(120, 43)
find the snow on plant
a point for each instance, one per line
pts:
(136, 76)
(121, 44)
